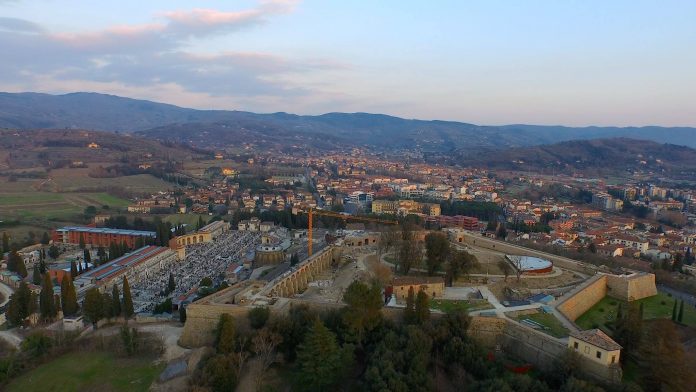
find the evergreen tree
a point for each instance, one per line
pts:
(410, 310)
(19, 306)
(127, 300)
(225, 334)
(681, 311)
(36, 275)
(68, 296)
(73, 270)
(82, 241)
(45, 239)
(422, 307)
(363, 312)
(171, 285)
(53, 252)
(46, 301)
(321, 361)
(15, 263)
(674, 311)
(87, 256)
(113, 251)
(42, 263)
(101, 254)
(93, 307)
(5, 242)
(182, 314)
(107, 306)
(116, 298)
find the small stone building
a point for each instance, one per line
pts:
(596, 346)
(433, 286)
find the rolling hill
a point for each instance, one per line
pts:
(597, 154)
(212, 128)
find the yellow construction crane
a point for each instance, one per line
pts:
(311, 212)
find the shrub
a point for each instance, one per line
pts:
(601, 310)
(663, 302)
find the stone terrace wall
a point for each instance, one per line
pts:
(584, 297)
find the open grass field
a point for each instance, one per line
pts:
(658, 306)
(50, 206)
(552, 324)
(88, 371)
(449, 305)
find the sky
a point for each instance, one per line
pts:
(576, 63)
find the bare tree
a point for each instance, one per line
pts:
(240, 356)
(264, 346)
(518, 265)
(505, 267)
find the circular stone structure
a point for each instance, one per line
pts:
(530, 265)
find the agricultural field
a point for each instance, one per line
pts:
(658, 306)
(89, 371)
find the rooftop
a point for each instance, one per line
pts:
(596, 338)
(106, 230)
(416, 280)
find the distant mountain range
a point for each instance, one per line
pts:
(216, 128)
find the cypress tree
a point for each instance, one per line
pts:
(422, 307)
(410, 310)
(116, 298)
(5, 242)
(15, 263)
(47, 304)
(45, 239)
(94, 305)
(171, 285)
(681, 311)
(82, 241)
(101, 253)
(36, 275)
(42, 263)
(20, 307)
(73, 270)
(127, 299)
(70, 306)
(674, 311)
(87, 255)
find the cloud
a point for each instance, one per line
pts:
(156, 57)
(19, 25)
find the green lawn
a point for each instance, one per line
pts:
(89, 371)
(451, 305)
(657, 306)
(553, 326)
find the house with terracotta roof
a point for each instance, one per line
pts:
(595, 345)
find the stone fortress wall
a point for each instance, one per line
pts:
(534, 346)
(623, 287)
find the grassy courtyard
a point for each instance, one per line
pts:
(658, 306)
(451, 305)
(89, 371)
(552, 325)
